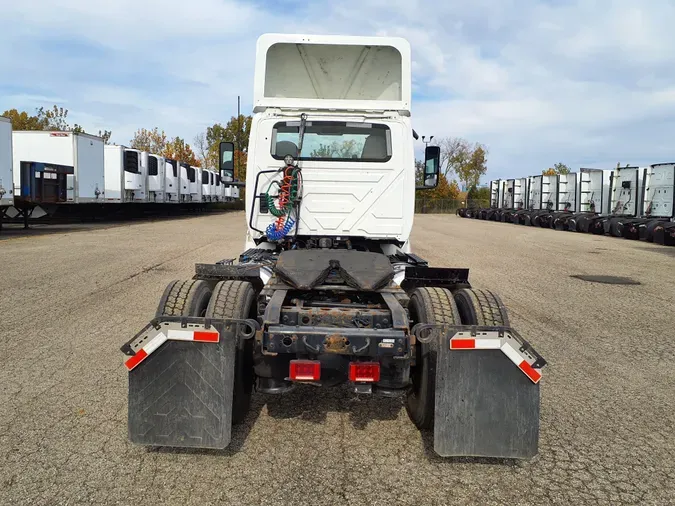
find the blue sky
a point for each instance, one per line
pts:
(587, 83)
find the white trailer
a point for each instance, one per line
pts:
(6, 182)
(156, 167)
(194, 176)
(125, 175)
(172, 181)
(57, 168)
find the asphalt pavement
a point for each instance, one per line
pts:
(68, 300)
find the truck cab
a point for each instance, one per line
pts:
(341, 111)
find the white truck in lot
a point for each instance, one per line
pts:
(327, 290)
(6, 181)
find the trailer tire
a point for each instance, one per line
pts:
(615, 227)
(185, 298)
(481, 307)
(434, 306)
(236, 299)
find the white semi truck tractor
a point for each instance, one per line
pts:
(327, 290)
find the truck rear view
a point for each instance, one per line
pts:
(327, 291)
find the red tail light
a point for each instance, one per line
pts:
(364, 372)
(305, 370)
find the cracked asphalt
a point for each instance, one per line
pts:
(70, 299)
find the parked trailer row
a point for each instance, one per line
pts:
(630, 202)
(41, 170)
(63, 167)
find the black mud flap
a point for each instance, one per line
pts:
(181, 394)
(486, 406)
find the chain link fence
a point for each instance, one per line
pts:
(446, 206)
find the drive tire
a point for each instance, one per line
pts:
(185, 298)
(236, 299)
(481, 307)
(615, 227)
(433, 306)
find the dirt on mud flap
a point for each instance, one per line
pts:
(487, 392)
(181, 381)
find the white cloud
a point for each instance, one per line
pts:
(586, 83)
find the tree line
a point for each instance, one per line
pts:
(206, 144)
(461, 161)
(204, 153)
(54, 119)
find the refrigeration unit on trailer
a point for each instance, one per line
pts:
(126, 177)
(625, 199)
(565, 202)
(195, 178)
(156, 167)
(205, 178)
(592, 200)
(215, 186)
(658, 199)
(542, 199)
(57, 168)
(214, 194)
(185, 174)
(327, 291)
(171, 181)
(6, 181)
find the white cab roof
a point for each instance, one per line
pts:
(332, 72)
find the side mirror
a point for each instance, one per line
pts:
(226, 160)
(432, 162)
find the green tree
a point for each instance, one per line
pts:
(152, 141)
(48, 119)
(471, 171)
(55, 119)
(455, 153)
(237, 130)
(478, 194)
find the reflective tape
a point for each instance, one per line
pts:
(145, 351)
(201, 335)
(459, 342)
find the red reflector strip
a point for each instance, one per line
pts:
(146, 350)
(530, 371)
(364, 372)
(462, 344)
(305, 370)
(206, 336)
(136, 359)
